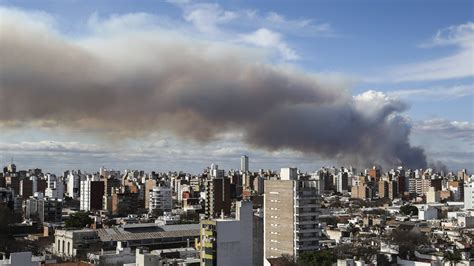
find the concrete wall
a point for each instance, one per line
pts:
(278, 218)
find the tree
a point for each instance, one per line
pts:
(366, 252)
(409, 210)
(408, 241)
(189, 218)
(288, 260)
(7, 217)
(322, 257)
(452, 257)
(157, 212)
(78, 220)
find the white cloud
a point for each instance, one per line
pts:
(460, 64)
(52, 146)
(207, 17)
(117, 23)
(460, 130)
(462, 35)
(436, 93)
(301, 26)
(268, 39)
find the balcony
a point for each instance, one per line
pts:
(308, 197)
(306, 222)
(307, 230)
(307, 247)
(304, 205)
(305, 239)
(305, 214)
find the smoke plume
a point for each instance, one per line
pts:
(136, 82)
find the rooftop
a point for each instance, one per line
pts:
(147, 231)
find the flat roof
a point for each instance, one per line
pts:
(147, 231)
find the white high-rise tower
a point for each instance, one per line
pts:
(244, 163)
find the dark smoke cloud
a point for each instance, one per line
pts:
(131, 83)
(439, 167)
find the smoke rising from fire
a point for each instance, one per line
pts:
(134, 82)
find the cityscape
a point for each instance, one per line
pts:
(237, 217)
(236, 132)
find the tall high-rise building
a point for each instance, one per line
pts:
(73, 184)
(216, 172)
(55, 187)
(244, 163)
(92, 193)
(160, 199)
(149, 185)
(28, 187)
(388, 189)
(43, 209)
(228, 241)
(342, 184)
(469, 196)
(291, 217)
(218, 200)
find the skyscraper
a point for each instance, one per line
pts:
(244, 163)
(291, 215)
(91, 193)
(217, 200)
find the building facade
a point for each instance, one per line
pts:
(228, 241)
(217, 197)
(291, 218)
(160, 199)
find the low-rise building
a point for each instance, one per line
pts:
(72, 243)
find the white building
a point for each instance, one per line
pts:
(228, 241)
(288, 173)
(469, 196)
(244, 163)
(427, 212)
(67, 243)
(73, 184)
(216, 172)
(55, 187)
(160, 199)
(465, 221)
(85, 192)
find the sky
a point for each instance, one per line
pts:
(415, 57)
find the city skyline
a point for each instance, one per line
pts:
(423, 77)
